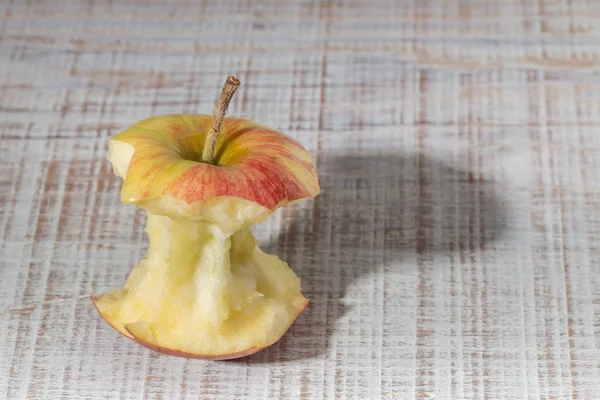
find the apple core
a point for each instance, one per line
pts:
(205, 288)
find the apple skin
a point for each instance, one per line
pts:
(252, 162)
(177, 353)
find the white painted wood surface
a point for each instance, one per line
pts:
(453, 254)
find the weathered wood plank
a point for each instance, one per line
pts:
(454, 251)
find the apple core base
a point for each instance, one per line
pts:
(202, 292)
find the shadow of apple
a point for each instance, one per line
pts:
(375, 211)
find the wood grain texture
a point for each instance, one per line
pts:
(454, 252)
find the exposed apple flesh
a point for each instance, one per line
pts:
(204, 293)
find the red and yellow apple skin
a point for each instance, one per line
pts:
(254, 166)
(206, 290)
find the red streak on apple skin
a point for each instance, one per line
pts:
(263, 175)
(175, 129)
(231, 126)
(267, 183)
(256, 163)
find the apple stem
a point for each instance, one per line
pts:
(229, 89)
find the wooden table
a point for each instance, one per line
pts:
(453, 254)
